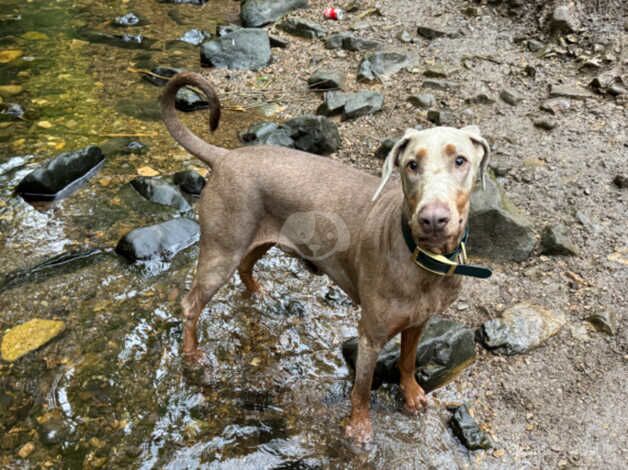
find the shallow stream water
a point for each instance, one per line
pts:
(112, 391)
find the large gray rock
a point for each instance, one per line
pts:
(314, 134)
(445, 349)
(381, 64)
(267, 133)
(350, 42)
(302, 28)
(61, 175)
(467, 430)
(555, 241)
(161, 192)
(563, 19)
(256, 13)
(244, 48)
(162, 241)
(498, 230)
(351, 105)
(521, 327)
(326, 79)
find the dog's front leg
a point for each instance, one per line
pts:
(359, 427)
(413, 394)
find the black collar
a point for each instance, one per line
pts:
(443, 265)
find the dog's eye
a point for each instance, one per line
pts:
(460, 160)
(412, 165)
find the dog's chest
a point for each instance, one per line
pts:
(434, 295)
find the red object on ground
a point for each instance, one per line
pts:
(332, 13)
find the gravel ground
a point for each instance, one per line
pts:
(561, 405)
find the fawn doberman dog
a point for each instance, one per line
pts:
(392, 243)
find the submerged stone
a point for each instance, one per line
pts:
(130, 19)
(521, 327)
(445, 348)
(159, 75)
(29, 336)
(159, 242)
(160, 192)
(195, 37)
(123, 146)
(126, 41)
(467, 430)
(243, 48)
(61, 175)
(497, 229)
(256, 13)
(188, 100)
(381, 64)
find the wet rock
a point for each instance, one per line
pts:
(545, 122)
(189, 181)
(467, 430)
(381, 64)
(325, 79)
(188, 100)
(130, 19)
(196, 37)
(13, 111)
(160, 192)
(61, 175)
(429, 32)
(556, 106)
(563, 19)
(256, 13)
(605, 321)
(555, 241)
(569, 91)
(423, 100)
(314, 134)
(497, 229)
(521, 328)
(162, 241)
(244, 48)
(302, 28)
(510, 96)
(53, 431)
(351, 105)
(29, 336)
(14, 163)
(446, 347)
(276, 41)
(159, 75)
(443, 85)
(385, 147)
(441, 118)
(125, 41)
(267, 133)
(620, 181)
(123, 146)
(350, 42)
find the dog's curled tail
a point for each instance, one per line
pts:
(186, 138)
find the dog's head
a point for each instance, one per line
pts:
(438, 168)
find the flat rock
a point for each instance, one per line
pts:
(256, 13)
(441, 118)
(159, 76)
(422, 100)
(605, 321)
(160, 192)
(276, 41)
(196, 37)
(555, 241)
(480, 97)
(267, 133)
(29, 336)
(314, 134)
(511, 97)
(381, 64)
(443, 85)
(302, 28)
(445, 348)
(189, 181)
(556, 106)
(326, 79)
(351, 105)
(61, 175)
(430, 32)
(467, 430)
(125, 40)
(244, 48)
(188, 100)
(498, 230)
(162, 241)
(563, 19)
(350, 42)
(384, 148)
(545, 122)
(569, 91)
(521, 328)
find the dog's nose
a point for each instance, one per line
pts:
(434, 217)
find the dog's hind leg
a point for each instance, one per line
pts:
(246, 267)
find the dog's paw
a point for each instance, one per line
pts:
(414, 397)
(359, 431)
(194, 357)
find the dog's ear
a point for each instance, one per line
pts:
(391, 162)
(476, 137)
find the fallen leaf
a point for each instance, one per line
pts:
(147, 171)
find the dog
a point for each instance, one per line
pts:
(253, 192)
